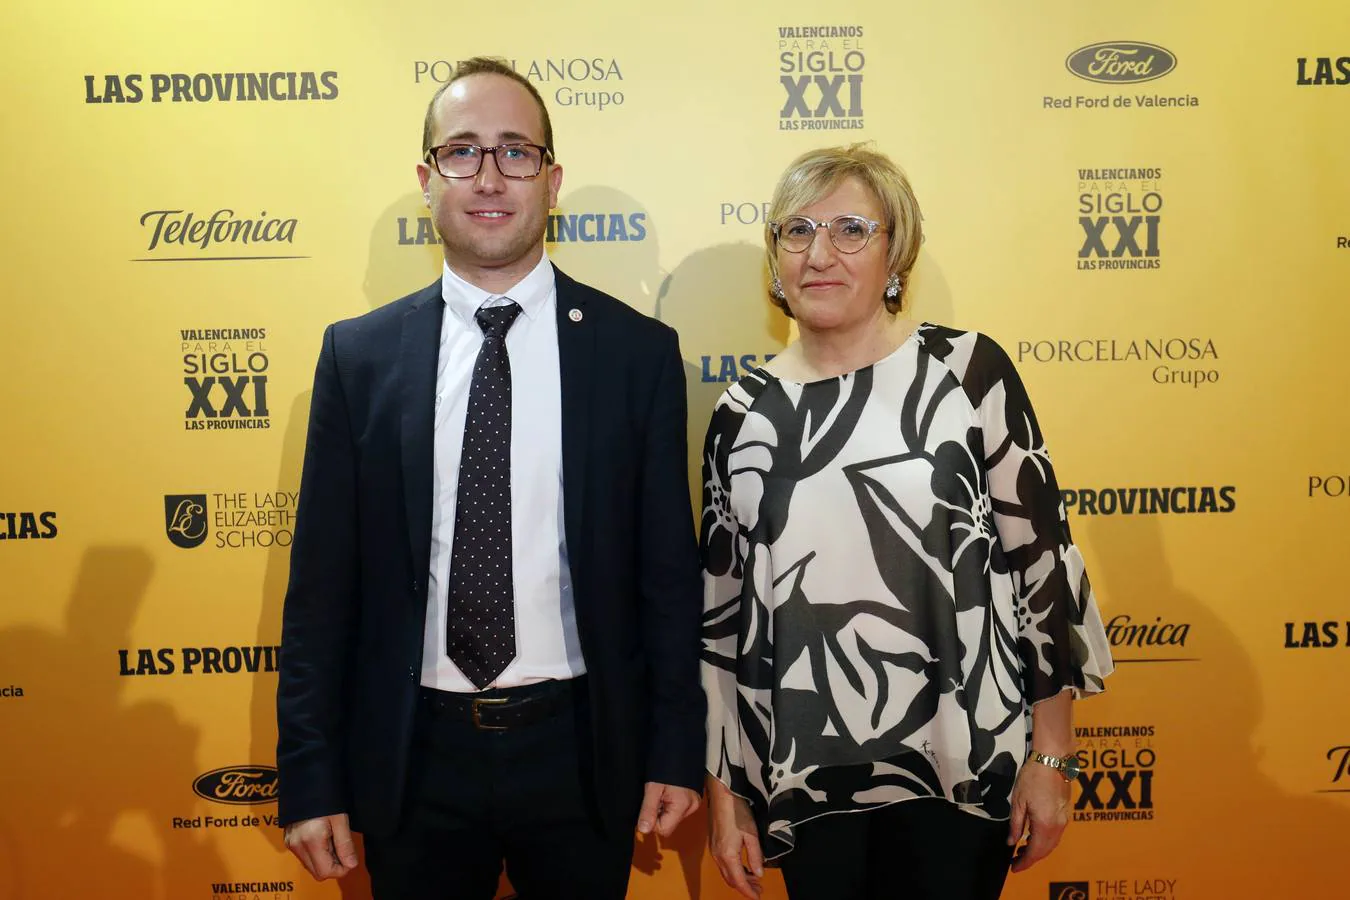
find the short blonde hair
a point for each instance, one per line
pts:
(816, 173)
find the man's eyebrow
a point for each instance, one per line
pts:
(475, 137)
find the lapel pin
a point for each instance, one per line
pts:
(574, 314)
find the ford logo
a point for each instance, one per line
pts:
(239, 785)
(1121, 62)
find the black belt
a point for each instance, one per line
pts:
(505, 708)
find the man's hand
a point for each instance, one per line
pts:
(1040, 805)
(323, 845)
(664, 806)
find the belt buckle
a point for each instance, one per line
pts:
(477, 719)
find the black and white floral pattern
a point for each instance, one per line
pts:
(890, 584)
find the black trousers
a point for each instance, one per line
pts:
(478, 798)
(923, 849)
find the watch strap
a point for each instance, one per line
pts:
(1061, 764)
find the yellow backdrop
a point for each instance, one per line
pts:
(1146, 204)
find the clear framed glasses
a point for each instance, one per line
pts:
(849, 234)
(515, 160)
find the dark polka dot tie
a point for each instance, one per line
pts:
(481, 626)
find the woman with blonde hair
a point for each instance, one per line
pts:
(896, 619)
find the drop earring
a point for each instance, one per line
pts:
(893, 286)
(776, 288)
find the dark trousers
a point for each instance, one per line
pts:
(479, 797)
(923, 849)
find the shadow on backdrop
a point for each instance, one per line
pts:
(1214, 805)
(394, 269)
(91, 791)
(626, 263)
(930, 296)
(717, 300)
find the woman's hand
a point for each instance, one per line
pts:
(1040, 807)
(734, 840)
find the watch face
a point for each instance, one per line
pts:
(1069, 766)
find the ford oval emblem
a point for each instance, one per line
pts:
(1121, 62)
(238, 785)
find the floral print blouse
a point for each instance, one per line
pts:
(890, 585)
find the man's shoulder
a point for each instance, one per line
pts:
(382, 319)
(610, 309)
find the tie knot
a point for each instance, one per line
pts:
(495, 320)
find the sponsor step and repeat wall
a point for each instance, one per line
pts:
(1147, 205)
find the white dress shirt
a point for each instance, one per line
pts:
(547, 646)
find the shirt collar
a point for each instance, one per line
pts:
(532, 293)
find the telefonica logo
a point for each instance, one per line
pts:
(183, 231)
(1340, 757)
(1142, 641)
(1121, 62)
(238, 785)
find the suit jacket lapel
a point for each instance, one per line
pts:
(417, 363)
(576, 355)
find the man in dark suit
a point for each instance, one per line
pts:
(491, 631)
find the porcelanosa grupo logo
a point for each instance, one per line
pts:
(1329, 485)
(1180, 361)
(590, 82)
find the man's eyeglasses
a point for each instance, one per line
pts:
(465, 160)
(849, 234)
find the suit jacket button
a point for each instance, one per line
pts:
(416, 585)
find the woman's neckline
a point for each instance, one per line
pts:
(899, 348)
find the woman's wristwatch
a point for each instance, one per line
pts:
(1065, 765)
